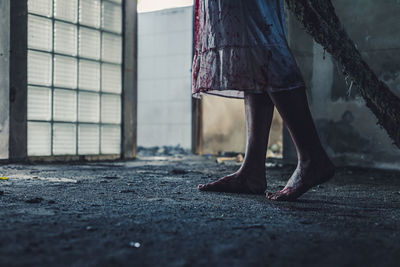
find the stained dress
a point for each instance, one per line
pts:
(241, 46)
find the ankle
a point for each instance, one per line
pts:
(252, 170)
(321, 159)
(316, 155)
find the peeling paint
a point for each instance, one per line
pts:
(359, 141)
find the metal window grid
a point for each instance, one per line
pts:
(78, 57)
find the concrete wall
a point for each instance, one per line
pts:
(224, 127)
(4, 76)
(347, 128)
(164, 77)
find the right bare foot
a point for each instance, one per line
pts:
(237, 183)
(304, 178)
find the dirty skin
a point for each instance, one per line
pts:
(250, 178)
(313, 168)
(305, 177)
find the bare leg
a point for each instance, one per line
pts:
(250, 178)
(314, 166)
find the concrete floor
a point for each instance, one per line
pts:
(148, 212)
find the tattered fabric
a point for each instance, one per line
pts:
(241, 46)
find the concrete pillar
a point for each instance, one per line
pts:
(18, 141)
(129, 132)
(4, 77)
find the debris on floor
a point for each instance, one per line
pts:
(239, 158)
(162, 151)
(179, 171)
(154, 215)
(34, 200)
(134, 244)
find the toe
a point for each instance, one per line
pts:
(207, 187)
(287, 194)
(278, 196)
(274, 196)
(269, 195)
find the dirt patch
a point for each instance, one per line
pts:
(149, 213)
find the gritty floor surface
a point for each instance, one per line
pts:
(148, 212)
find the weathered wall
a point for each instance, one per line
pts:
(4, 76)
(164, 62)
(347, 128)
(224, 127)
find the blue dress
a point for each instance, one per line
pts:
(241, 46)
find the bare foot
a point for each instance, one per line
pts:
(304, 177)
(238, 183)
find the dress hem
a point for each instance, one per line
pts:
(240, 93)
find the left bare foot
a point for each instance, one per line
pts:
(303, 179)
(238, 182)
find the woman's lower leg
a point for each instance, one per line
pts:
(314, 166)
(250, 178)
(259, 112)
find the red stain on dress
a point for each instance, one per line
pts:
(240, 45)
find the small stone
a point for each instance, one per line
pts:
(51, 202)
(134, 244)
(239, 158)
(275, 148)
(179, 171)
(90, 228)
(34, 200)
(110, 177)
(127, 191)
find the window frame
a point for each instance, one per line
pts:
(18, 144)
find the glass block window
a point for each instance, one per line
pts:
(74, 77)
